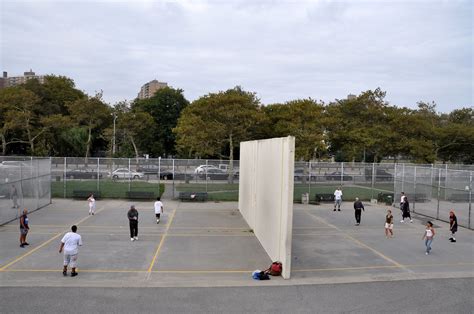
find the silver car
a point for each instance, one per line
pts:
(124, 173)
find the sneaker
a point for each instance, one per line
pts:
(334, 209)
(136, 238)
(26, 243)
(427, 253)
(132, 239)
(92, 214)
(402, 221)
(338, 210)
(411, 220)
(453, 240)
(157, 221)
(64, 273)
(73, 274)
(22, 245)
(357, 224)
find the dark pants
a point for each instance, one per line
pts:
(358, 212)
(133, 228)
(406, 214)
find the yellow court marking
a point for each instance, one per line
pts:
(357, 241)
(196, 271)
(44, 243)
(29, 252)
(218, 228)
(161, 242)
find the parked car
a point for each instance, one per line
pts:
(216, 174)
(380, 175)
(336, 176)
(165, 174)
(82, 174)
(202, 169)
(124, 173)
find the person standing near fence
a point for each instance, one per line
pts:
(453, 225)
(405, 207)
(358, 208)
(14, 196)
(337, 199)
(133, 222)
(91, 202)
(389, 224)
(158, 209)
(428, 236)
(70, 243)
(24, 228)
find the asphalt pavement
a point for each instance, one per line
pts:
(412, 296)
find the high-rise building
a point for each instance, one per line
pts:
(149, 89)
(6, 81)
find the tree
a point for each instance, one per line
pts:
(18, 111)
(134, 124)
(92, 114)
(303, 119)
(165, 107)
(215, 124)
(357, 127)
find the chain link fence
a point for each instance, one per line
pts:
(24, 183)
(433, 191)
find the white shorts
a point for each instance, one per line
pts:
(70, 259)
(388, 226)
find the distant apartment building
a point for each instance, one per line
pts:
(149, 89)
(17, 80)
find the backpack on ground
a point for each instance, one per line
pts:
(275, 269)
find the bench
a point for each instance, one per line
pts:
(84, 194)
(386, 198)
(143, 195)
(193, 196)
(459, 197)
(325, 197)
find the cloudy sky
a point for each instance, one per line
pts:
(419, 50)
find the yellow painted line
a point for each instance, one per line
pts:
(240, 271)
(380, 267)
(30, 252)
(157, 252)
(45, 243)
(357, 241)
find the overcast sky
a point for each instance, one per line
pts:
(282, 50)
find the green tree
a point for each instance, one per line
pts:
(303, 119)
(92, 114)
(215, 124)
(18, 117)
(165, 107)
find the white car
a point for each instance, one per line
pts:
(202, 169)
(124, 173)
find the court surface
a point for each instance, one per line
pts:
(210, 244)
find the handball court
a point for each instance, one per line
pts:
(210, 244)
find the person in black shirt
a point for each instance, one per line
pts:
(24, 228)
(358, 207)
(453, 225)
(133, 221)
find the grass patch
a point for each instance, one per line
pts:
(230, 192)
(107, 188)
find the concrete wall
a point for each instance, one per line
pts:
(266, 194)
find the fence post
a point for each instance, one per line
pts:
(403, 177)
(50, 194)
(159, 174)
(129, 176)
(342, 173)
(414, 189)
(205, 174)
(373, 181)
(439, 192)
(64, 177)
(470, 200)
(98, 173)
(173, 179)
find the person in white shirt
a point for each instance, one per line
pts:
(91, 201)
(337, 199)
(158, 209)
(70, 243)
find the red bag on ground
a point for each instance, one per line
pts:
(275, 269)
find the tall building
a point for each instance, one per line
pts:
(6, 81)
(149, 89)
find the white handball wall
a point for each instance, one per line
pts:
(266, 194)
